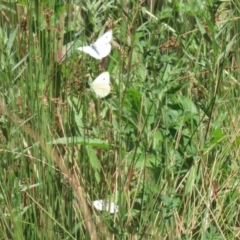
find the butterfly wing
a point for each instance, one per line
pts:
(98, 204)
(101, 85)
(105, 205)
(101, 90)
(105, 38)
(101, 48)
(111, 207)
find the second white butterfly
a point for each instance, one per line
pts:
(105, 205)
(101, 48)
(101, 85)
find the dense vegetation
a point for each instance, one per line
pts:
(163, 145)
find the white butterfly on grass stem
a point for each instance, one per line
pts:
(101, 48)
(101, 85)
(105, 205)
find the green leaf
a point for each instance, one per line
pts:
(12, 38)
(95, 142)
(94, 161)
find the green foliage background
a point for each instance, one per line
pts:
(163, 145)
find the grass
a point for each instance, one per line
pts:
(163, 146)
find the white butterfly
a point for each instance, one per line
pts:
(101, 85)
(105, 205)
(101, 48)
